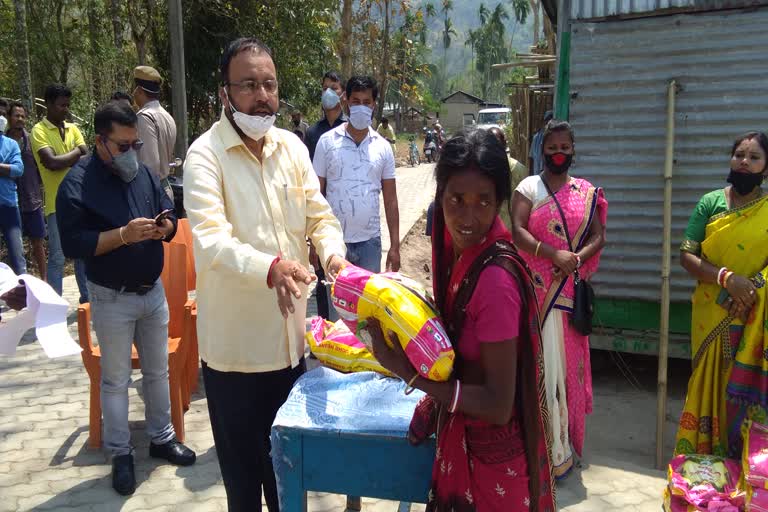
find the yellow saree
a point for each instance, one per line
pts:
(730, 369)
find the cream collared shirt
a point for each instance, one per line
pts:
(243, 214)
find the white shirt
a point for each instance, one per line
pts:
(244, 213)
(533, 189)
(353, 177)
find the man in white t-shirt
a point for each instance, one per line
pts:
(355, 164)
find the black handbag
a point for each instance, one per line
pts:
(583, 294)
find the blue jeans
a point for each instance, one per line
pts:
(10, 224)
(56, 262)
(365, 255)
(121, 319)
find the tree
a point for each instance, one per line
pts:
(488, 41)
(140, 19)
(410, 69)
(535, 8)
(22, 54)
(448, 33)
(345, 48)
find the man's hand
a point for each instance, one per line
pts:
(16, 298)
(139, 230)
(393, 259)
(164, 231)
(335, 264)
(285, 275)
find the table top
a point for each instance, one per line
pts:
(324, 401)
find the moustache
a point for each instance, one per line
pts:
(261, 109)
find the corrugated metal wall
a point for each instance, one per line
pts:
(585, 9)
(619, 76)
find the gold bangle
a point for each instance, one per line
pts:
(121, 235)
(538, 246)
(409, 387)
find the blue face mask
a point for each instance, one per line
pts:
(125, 165)
(330, 99)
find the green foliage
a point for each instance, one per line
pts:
(74, 41)
(299, 33)
(489, 45)
(521, 9)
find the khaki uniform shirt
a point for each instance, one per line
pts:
(157, 130)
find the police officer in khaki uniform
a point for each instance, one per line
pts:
(157, 129)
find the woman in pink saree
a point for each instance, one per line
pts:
(539, 232)
(490, 417)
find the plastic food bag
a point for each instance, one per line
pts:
(757, 500)
(706, 482)
(755, 455)
(397, 304)
(336, 347)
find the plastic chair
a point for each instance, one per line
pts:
(179, 332)
(184, 236)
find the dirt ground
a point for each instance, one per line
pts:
(416, 254)
(621, 432)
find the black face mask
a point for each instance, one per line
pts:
(744, 182)
(296, 122)
(558, 163)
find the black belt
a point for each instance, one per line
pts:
(140, 289)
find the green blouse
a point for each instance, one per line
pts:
(709, 205)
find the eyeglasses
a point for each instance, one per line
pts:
(125, 146)
(249, 87)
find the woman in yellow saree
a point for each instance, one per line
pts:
(726, 250)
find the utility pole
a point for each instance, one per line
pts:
(178, 75)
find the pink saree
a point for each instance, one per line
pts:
(566, 352)
(479, 466)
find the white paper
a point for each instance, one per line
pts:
(11, 331)
(46, 311)
(8, 278)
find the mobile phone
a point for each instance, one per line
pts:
(162, 216)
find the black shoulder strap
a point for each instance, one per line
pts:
(502, 253)
(562, 214)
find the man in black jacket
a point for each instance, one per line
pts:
(113, 214)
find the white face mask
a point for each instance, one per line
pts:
(360, 116)
(3, 124)
(254, 127)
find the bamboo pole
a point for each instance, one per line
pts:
(525, 64)
(661, 399)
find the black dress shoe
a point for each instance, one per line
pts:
(123, 478)
(174, 452)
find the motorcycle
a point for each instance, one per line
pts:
(430, 151)
(177, 186)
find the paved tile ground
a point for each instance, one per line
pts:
(46, 465)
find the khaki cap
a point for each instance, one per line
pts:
(147, 74)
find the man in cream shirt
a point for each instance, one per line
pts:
(253, 199)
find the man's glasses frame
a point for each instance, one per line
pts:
(125, 146)
(249, 87)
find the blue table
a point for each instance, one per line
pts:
(346, 434)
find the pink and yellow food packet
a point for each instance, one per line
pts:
(401, 306)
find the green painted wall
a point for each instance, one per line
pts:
(640, 315)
